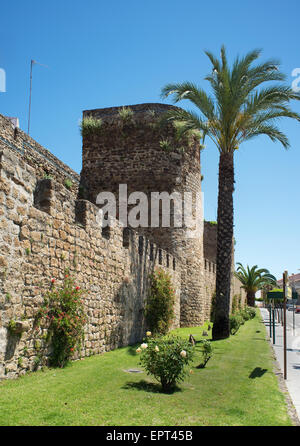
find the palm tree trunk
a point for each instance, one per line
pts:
(224, 246)
(251, 299)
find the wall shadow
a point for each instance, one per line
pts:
(12, 341)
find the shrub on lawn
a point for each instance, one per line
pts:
(235, 321)
(251, 312)
(238, 319)
(159, 310)
(245, 315)
(235, 304)
(207, 352)
(243, 320)
(166, 359)
(62, 314)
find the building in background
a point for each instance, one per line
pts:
(294, 282)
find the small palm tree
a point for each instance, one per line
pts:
(238, 110)
(253, 280)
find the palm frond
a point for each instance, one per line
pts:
(253, 279)
(196, 95)
(240, 107)
(269, 130)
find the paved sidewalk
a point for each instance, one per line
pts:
(293, 357)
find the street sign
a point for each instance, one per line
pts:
(278, 294)
(275, 295)
(288, 292)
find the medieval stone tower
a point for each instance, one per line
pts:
(135, 149)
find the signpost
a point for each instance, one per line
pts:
(285, 292)
(293, 319)
(273, 310)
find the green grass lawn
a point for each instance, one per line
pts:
(236, 388)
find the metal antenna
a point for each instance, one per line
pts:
(31, 65)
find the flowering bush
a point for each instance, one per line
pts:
(245, 314)
(166, 359)
(159, 310)
(63, 315)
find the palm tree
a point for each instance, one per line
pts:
(238, 110)
(253, 280)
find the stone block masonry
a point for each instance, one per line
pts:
(44, 230)
(129, 151)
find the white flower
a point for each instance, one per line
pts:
(183, 353)
(148, 333)
(156, 349)
(138, 350)
(144, 346)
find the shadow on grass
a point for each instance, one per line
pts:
(260, 339)
(131, 349)
(148, 387)
(258, 372)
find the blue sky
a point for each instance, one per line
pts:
(103, 54)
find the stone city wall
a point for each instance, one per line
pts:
(44, 230)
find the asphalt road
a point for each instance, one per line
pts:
(289, 319)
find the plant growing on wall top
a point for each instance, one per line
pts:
(166, 145)
(191, 135)
(90, 126)
(63, 315)
(126, 114)
(159, 311)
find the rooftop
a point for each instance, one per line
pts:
(292, 278)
